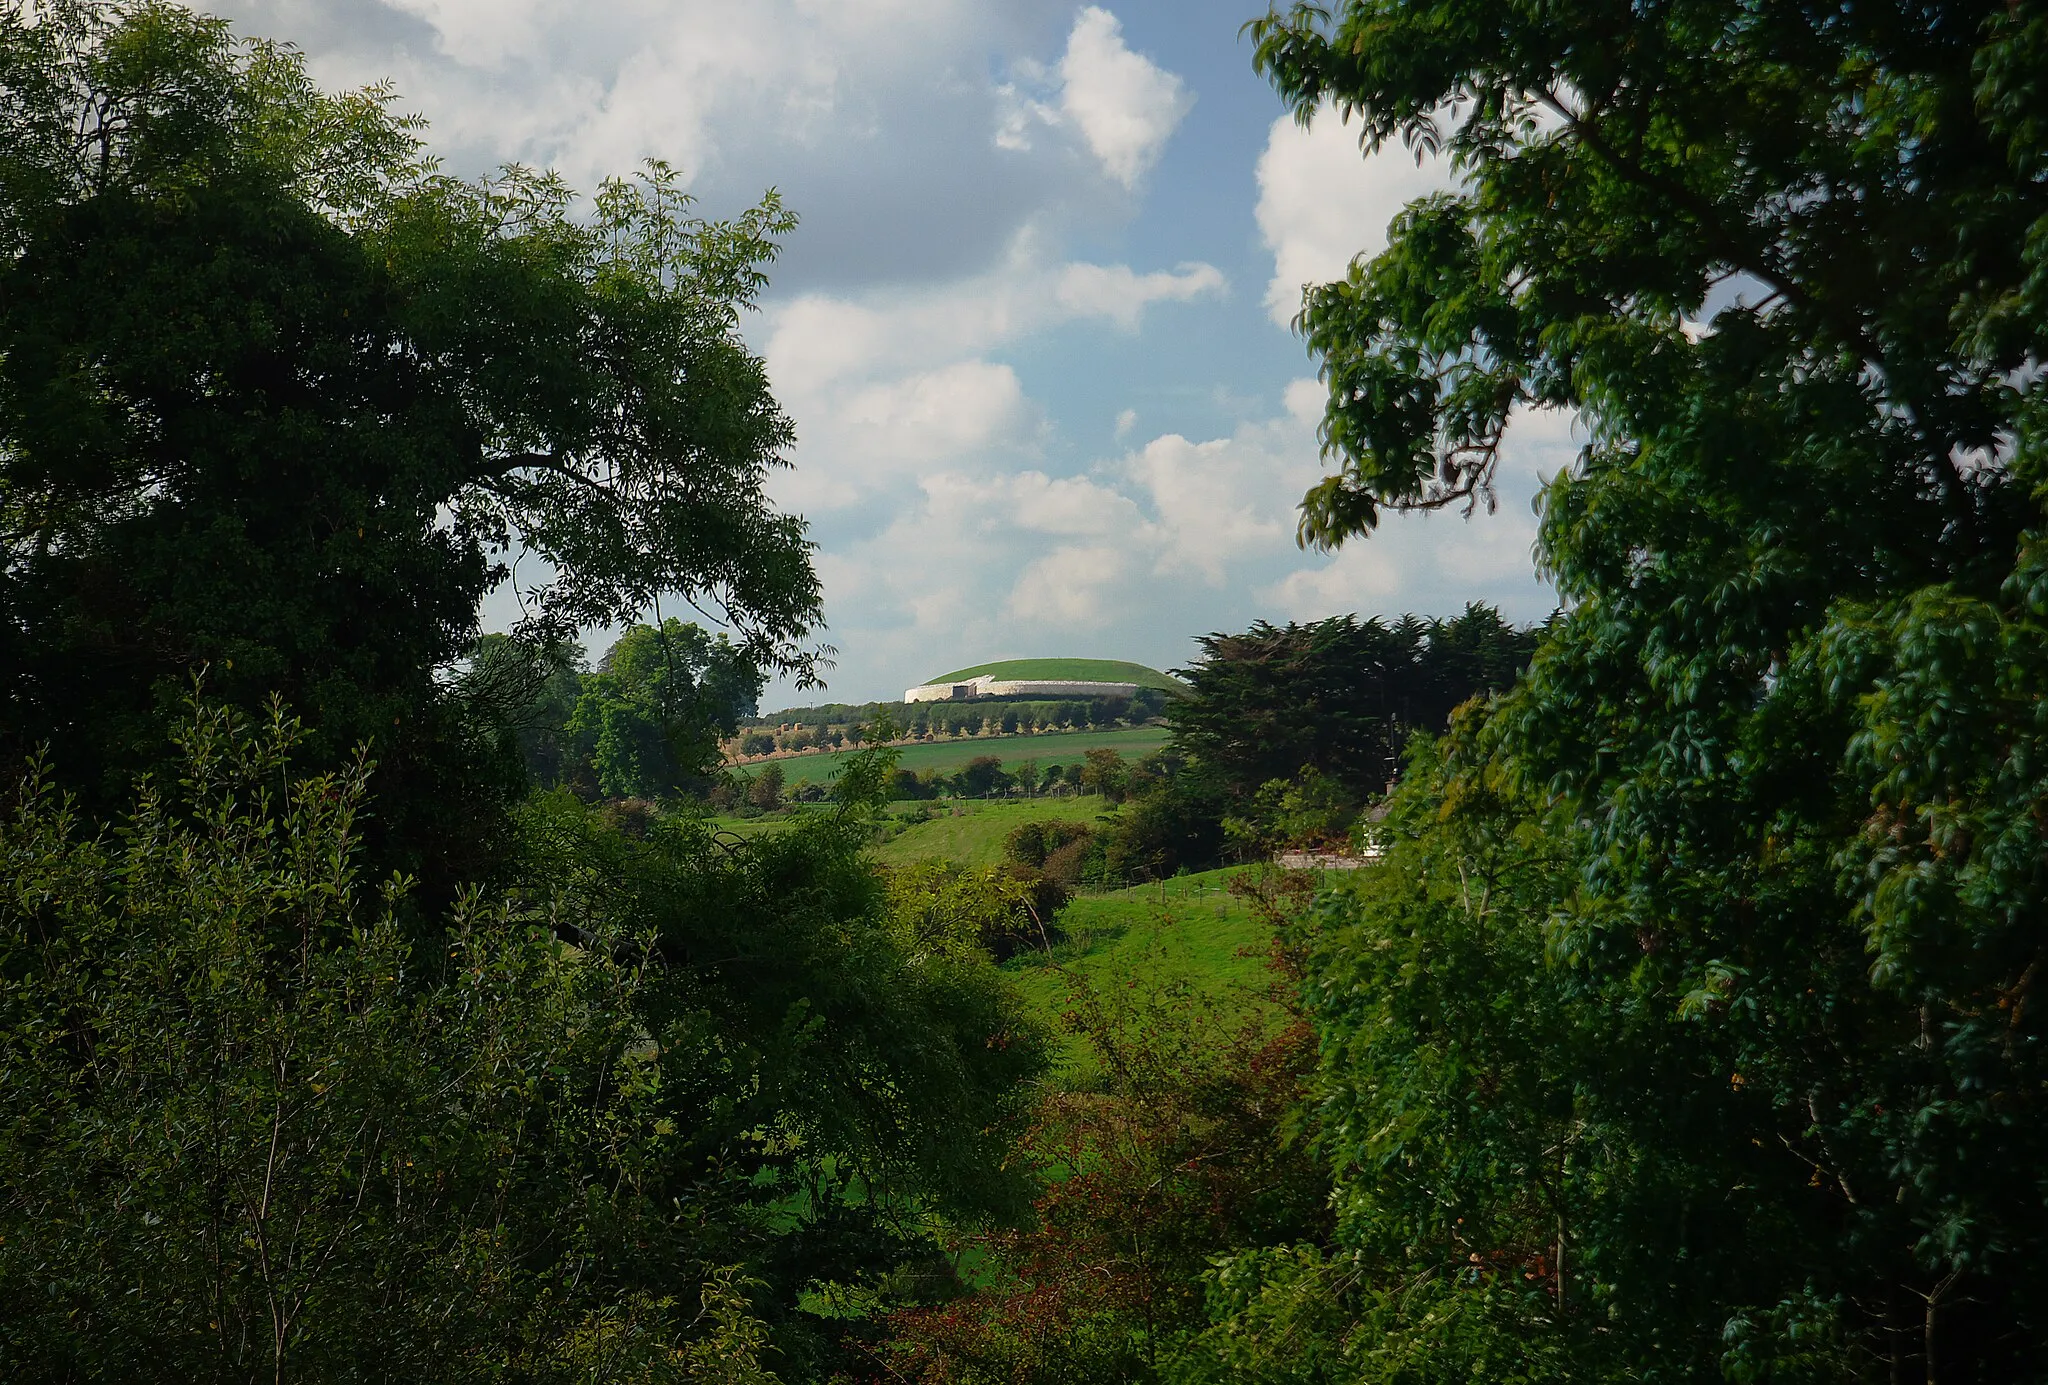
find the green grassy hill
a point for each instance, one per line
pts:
(1187, 934)
(1078, 670)
(972, 831)
(1055, 747)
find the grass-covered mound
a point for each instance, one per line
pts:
(1075, 670)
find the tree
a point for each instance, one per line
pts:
(249, 1130)
(983, 777)
(654, 715)
(765, 789)
(278, 399)
(1786, 266)
(530, 692)
(1105, 772)
(1337, 696)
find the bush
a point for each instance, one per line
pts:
(251, 1127)
(1029, 843)
(765, 790)
(944, 910)
(1077, 861)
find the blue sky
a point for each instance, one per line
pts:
(1032, 326)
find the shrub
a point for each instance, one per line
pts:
(1029, 843)
(765, 790)
(253, 1127)
(1076, 861)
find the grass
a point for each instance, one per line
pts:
(972, 830)
(1068, 670)
(1189, 931)
(1053, 747)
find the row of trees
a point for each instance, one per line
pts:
(814, 728)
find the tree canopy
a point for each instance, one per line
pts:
(280, 400)
(1786, 266)
(1337, 696)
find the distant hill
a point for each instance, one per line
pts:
(1076, 670)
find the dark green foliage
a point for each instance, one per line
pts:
(276, 400)
(651, 718)
(847, 1067)
(1789, 721)
(1185, 1150)
(764, 790)
(983, 777)
(1030, 843)
(249, 1131)
(1338, 696)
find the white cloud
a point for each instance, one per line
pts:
(1125, 106)
(900, 384)
(1216, 500)
(1439, 561)
(1167, 539)
(1071, 588)
(937, 414)
(1117, 293)
(1322, 202)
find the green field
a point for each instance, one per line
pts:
(1187, 934)
(1074, 670)
(972, 830)
(1188, 931)
(1055, 747)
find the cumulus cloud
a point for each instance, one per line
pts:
(884, 386)
(1438, 561)
(1161, 541)
(1322, 202)
(1126, 107)
(936, 414)
(871, 117)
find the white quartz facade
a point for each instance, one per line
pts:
(986, 686)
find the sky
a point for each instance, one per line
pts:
(1033, 326)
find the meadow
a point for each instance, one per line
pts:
(1187, 937)
(971, 832)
